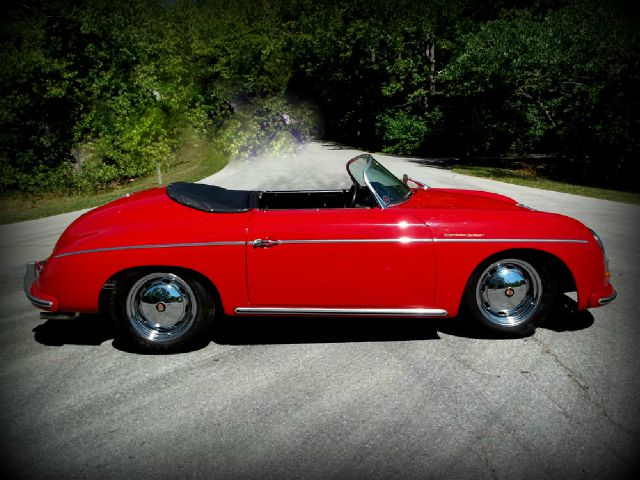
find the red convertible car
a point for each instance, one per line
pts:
(165, 261)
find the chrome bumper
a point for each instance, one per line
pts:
(609, 299)
(30, 276)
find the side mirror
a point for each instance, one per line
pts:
(406, 180)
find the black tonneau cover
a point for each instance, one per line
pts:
(210, 198)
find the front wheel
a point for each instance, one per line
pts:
(509, 295)
(162, 311)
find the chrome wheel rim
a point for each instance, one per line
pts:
(509, 292)
(161, 307)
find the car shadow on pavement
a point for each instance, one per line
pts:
(96, 329)
(84, 330)
(564, 317)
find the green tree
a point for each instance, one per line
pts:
(40, 89)
(93, 93)
(559, 82)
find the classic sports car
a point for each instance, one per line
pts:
(165, 261)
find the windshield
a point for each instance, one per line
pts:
(386, 188)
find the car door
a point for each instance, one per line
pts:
(354, 257)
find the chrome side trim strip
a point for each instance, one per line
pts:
(609, 299)
(508, 240)
(359, 240)
(144, 247)
(418, 312)
(321, 241)
(429, 240)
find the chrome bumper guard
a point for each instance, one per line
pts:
(30, 276)
(609, 299)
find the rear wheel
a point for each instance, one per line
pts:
(509, 295)
(162, 311)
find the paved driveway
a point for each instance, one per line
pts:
(360, 398)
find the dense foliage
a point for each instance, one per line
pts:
(95, 92)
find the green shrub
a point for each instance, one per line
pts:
(405, 133)
(271, 125)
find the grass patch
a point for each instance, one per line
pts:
(528, 178)
(195, 160)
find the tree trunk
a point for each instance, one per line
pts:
(431, 56)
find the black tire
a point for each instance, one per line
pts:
(509, 294)
(162, 311)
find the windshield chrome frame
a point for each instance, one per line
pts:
(373, 190)
(367, 182)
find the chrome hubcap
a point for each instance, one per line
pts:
(161, 307)
(509, 292)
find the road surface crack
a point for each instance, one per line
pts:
(485, 458)
(583, 387)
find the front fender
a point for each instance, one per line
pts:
(74, 282)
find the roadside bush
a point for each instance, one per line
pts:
(271, 125)
(39, 180)
(134, 150)
(64, 179)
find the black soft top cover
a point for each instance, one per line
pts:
(210, 198)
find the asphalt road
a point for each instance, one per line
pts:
(318, 398)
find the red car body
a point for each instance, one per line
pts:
(414, 258)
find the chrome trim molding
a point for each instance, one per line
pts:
(418, 312)
(320, 241)
(38, 302)
(522, 205)
(599, 241)
(508, 240)
(30, 276)
(429, 240)
(359, 240)
(144, 247)
(609, 299)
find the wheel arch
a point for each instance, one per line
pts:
(562, 276)
(108, 287)
(535, 279)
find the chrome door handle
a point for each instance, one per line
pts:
(260, 243)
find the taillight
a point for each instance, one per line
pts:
(40, 266)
